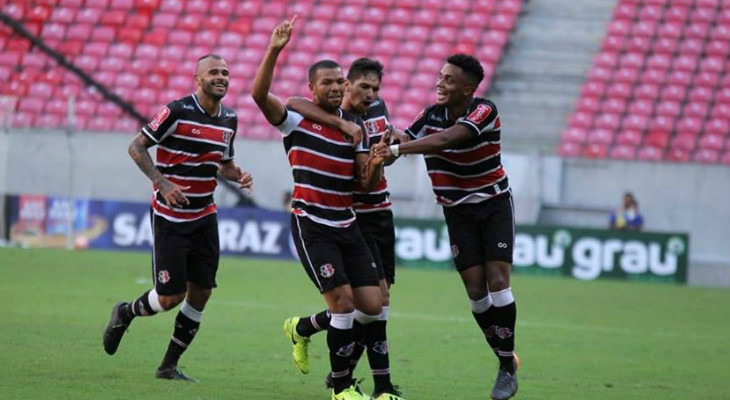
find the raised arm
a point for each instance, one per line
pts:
(317, 114)
(269, 104)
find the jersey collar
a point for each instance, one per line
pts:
(202, 110)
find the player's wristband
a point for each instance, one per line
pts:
(395, 150)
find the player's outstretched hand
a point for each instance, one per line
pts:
(382, 150)
(352, 131)
(376, 159)
(173, 193)
(282, 33)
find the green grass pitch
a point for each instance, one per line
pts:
(577, 340)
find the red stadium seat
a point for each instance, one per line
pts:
(600, 136)
(725, 158)
(676, 14)
(588, 104)
(662, 123)
(722, 96)
(679, 78)
(720, 32)
(689, 125)
(614, 106)
(711, 141)
(613, 43)
(666, 46)
(700, 94)
(606, 59)
(641, 107)
(595, 151)
(593, 89)
(677, 155)
(575, 135)
(635, 122)
(657, 139)
(626, 75)
(581, 120)
(720, 111)
(625, 12)
(684, 142)
(696, 110)
(629, 137)
(706, 156)
(660, 62)
(649, 153)
(622, 90)
(718, 126)
(669, 29)
(673, 93)
(602, 74)
(622, 152)
(644, 28)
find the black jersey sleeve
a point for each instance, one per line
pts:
(417, 128)
(480, 116)
(163, 123)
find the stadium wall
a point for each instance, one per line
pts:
(548, 190)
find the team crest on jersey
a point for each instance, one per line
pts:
(163, 276)
(376, 126)
(327, 270)
(454, 250)
(159, 118)
(479, 114)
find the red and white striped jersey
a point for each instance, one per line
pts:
(190, 146)
(472, 171)
(323, 166)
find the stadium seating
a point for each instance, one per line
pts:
(658, 89)
(145, 51)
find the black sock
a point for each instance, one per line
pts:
(485, 321)
(375, 340)
(504, 319)
(341, 345)
(308, 326)
(185, 331)
(359, 349)
(139, 307)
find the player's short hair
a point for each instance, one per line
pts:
(470, 65)
(205, 57)
(363, 66)
(322, 64)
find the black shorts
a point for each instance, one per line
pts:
(184, 251)
(379, 234)
(331, 256)
(482, 231)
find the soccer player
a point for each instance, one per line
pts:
(194, 137)
(374, 218)
(460, 138)
(328, 241)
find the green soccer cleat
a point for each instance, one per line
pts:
(391, 394)
(300, 345)
(351, 393)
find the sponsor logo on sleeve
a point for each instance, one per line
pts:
(479, 114)
(159, 118)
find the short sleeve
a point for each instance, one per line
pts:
(163, 123)
(229, 153)
(290, 121)
(416, 128)
(480, 117)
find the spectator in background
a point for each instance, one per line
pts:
(627, 218)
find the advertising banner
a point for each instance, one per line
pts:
(585, 254)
